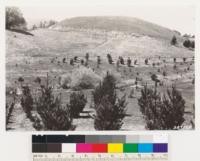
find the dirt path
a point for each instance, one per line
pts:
(19, 121)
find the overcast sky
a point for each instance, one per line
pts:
(181, 18)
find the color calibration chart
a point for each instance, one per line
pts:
(100, 147)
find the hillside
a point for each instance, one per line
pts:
(121, 24)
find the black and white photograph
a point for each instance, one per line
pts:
(95, 67)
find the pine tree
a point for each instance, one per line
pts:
(110, 110)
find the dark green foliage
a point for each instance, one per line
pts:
(87, 56)
(154, 77)
(107, 87)
(174, 40)
(77, 103)
(129, 62)
(27, 101)
(174, 67)
(110, 115)
(192, 44)
(54, 116)
(146, 61)
(121, 60)
(98, 61)
(110, 110)
(20, 79)
(187, 43)
(135, 62)
(9, 110)
(162, 113)
(174, 60)
(64, 60)
(110, 61)
(75, 58)
(164, 73)
(71, 62)
(14, 18)
(193, 81)
(82, 62)
(37, 80)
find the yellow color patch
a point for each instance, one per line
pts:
(115, 148)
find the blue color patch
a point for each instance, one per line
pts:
(145, 148)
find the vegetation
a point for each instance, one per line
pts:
(129, 62)
(54, 116)
(110, 110)
(189, 44)
(77, 103)
(109, 57)
(14, 18)
(27, 101)
(162, 113)
(173, 40)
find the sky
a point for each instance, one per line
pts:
(180, 18)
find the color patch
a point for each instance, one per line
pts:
(54, 148)
(69, 148)
(130, 148)
(115, 148)
(84, 148)
(39, 148)
(160, 148)
(145, 148)
(99, 148)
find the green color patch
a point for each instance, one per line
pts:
(130, 148)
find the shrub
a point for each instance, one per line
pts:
(174, 60)
(187, 43)
(154, 77)
(162, 113)
(77, 103)
(14, 18)
(37, 80)
(54, 116)
(192, 44)
(71, 62)
(64, 60)
(121, 60)
(27, 101)
(65, 81)
(84, 78)
(135, 62)
(9, 110)
(80, 78)
(110, 110)
(173, 40)
(106, 87)
(174, 67)
(164, 73)
(129, 62)
(110, 115)
(87, 56)
(75, 58)
(82, 62)
(110, 61)
(98, 61)
(146, 61)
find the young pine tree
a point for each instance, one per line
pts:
(162, 113)
(110, 110)
(54, 116)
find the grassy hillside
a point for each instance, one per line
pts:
(35, 56)
(124, 24)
